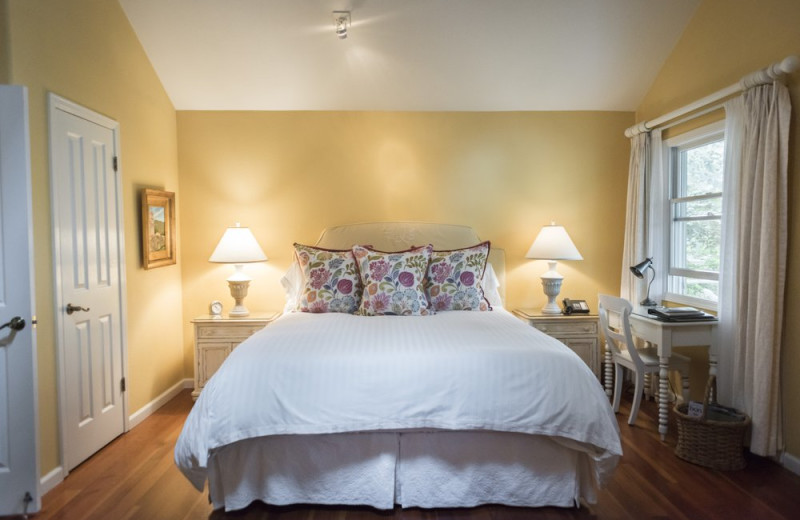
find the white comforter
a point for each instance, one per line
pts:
(331, 373)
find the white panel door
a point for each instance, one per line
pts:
(88, 243)
(19, 465)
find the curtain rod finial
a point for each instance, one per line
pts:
(637, 129)
(790, 64)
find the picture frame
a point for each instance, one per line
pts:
(158, 228)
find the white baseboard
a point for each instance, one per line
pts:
(56, 476)
(145, 411)
(791, 462)
(51, 480)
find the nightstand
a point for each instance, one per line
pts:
(216, 336)
(577, 331)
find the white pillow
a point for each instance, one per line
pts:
(292, 283)
(491, 287)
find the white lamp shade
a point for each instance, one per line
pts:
(553, 243)
(238, 246)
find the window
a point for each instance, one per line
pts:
(695, 209)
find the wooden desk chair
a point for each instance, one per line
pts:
(624, 354)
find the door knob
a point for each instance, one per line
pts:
(16, 323)
(75, 308)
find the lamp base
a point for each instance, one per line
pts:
(238, 291)
(551, 308)
(239, 311)
(551, 283)
(647, 302)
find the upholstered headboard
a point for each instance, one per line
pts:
(396, 236)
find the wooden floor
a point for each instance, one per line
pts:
(135, 478)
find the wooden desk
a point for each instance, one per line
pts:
(666, 335)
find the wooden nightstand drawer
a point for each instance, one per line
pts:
(561, 327)
(228, 331)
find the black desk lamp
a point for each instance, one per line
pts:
(639, 270)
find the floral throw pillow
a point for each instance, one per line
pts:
(393, 282)
(454, 279)
(330, 279)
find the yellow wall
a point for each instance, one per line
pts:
(725, 40)
(5, 74)
(86, 51)
(288, 175)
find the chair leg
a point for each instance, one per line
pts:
(617, 387)
(637, 397)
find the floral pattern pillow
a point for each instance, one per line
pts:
(330, 280)
(453, 282)
(394, 283)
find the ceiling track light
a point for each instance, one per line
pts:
(341, 23)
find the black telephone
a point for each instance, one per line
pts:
(575, 306)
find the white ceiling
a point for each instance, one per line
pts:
(472, 55)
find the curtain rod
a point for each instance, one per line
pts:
(760, 77)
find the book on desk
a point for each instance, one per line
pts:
(680, 314)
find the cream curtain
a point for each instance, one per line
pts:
(633, 250)
(647, 217)
(727, 308)
(754, 259)
(658, 226)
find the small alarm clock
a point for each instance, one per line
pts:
(215, 308)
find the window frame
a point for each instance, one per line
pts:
(672, 147)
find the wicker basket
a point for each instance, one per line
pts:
(716, 444)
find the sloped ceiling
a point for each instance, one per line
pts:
(470, 55)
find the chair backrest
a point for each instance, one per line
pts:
(616, 326)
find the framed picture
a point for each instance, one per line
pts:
(158, 228)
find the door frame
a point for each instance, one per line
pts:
(56, 103)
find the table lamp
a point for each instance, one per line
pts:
(638, 270)
(238, 246)
(553, 244)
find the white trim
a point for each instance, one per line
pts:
(691, 273)
(60, 103)
(790, 462)
(51, 480)
(697, 135)
(147, 410)
(55, 103)
(700, 303)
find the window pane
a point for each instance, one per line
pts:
(699, 208)
(700, 248)
(703, 289)
(696, 173)
(703, 166)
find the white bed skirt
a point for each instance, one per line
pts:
(412, 469)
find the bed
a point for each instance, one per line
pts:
(453, 409)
